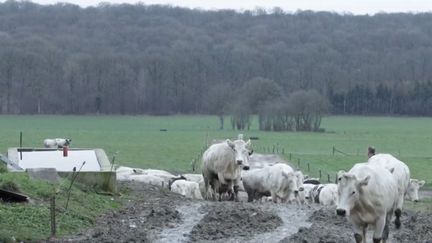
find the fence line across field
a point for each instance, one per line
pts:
(305, 165)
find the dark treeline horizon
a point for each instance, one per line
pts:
(144, 59)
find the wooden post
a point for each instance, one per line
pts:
(334, 150)
(298, 162)
(328, 177)
(308, 167)
(53, 217)
(21, 145)
(290, 156)
(283, 151)
(320, 174)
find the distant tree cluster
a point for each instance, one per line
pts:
(139, 59)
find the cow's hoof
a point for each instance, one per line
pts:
(397, 223)
(358, 238)
(376, 240)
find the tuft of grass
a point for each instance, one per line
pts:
(3, 168)
(31, 221)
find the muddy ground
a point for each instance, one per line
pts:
(157, 215)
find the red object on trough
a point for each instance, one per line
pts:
(65, 151)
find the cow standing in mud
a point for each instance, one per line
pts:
(400, 172)
(367, 195)
(222, 165)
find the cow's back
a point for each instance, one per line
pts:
(216, 156)
(401, 171)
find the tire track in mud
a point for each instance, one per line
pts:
(190, 215)
(292, 217)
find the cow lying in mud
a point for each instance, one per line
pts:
(324, 194)
(222, 166)
(278, 181)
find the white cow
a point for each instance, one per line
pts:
(189, 189)
(198, 178)
(222, 165)
(57, 142)
(401, 173)
(413, 188)
(301, 196)
(307, 191)
(328, 195)
(278, 181)
(367, 195)
(148, 176)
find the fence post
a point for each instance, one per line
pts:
(298, 162)
(53, 217)
(308, 167)
(273, 148)
(320, 174)
(334, 150)
(283, 151)
(290, 156)
(328, 177)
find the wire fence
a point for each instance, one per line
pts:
(306, 166)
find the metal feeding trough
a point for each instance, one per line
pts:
(26, 158)
(9, 196)
(93, 165)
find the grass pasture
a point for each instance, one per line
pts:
(138, 141)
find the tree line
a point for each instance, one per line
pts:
(151, 59)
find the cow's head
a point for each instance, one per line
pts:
(413, 188)
(349, 190)
(300, 178)
(67, 141)
(241, 151)
(291, 182)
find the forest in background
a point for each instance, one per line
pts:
(150, 59)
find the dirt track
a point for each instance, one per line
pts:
(160, 216)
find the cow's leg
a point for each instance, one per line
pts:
(251, 196)
(236, 186)
(207, 185)
(273, 196)
(358, 233)
(379, 229)
(386, 230)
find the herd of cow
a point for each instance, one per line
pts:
(369, 194)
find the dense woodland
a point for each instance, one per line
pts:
(139, 59)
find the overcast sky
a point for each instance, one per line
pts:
(353, 6)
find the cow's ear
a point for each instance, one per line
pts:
(306, 177)
(392, 170)
(230, 143)
(421, 183)
(365, 181)
(340, 174)
(248, 143)
(287, 175)
(251, 152)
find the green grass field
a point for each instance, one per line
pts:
(138, 141)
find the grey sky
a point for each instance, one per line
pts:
(353, 6)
